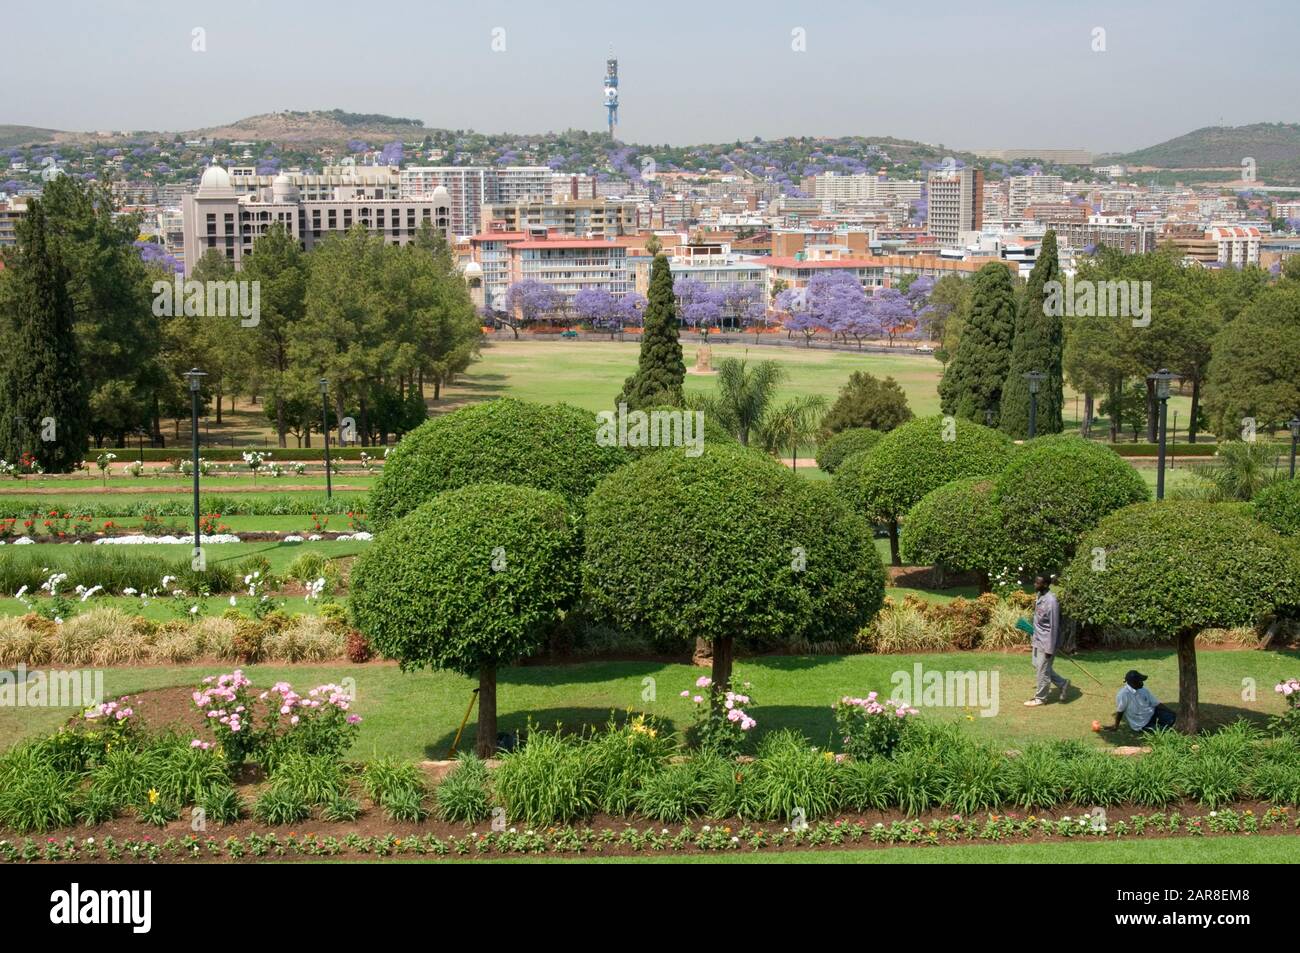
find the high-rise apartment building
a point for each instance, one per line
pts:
(955, 200)
(1027, 190)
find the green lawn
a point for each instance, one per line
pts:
(1271, 849)
(414, 715)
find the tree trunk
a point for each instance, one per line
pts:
(703, 654)
(1087, 414)
(1188, 699)
(220, 402)
(279, 421)
(723, 652)
(1196, 406)
(894, 558)
(485, 744)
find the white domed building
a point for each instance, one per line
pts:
(231, 210)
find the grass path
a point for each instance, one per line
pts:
(1271, 849)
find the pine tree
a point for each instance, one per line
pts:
(44, 409)
(660, 369)
(972, 386)
(1037, 346)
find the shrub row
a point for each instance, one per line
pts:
(105, 637)
(914, 625)
(235, 454)
(240, 504)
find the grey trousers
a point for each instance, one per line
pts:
(1046, 678)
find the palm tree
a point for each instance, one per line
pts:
(794, 424)
(1241, 469)
(744, 395)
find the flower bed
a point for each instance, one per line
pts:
(270, 763)
(630, 840)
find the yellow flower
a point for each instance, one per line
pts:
(153, 795)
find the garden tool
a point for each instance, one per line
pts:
(473, 697)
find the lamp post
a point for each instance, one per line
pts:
(325, 432)
(1035, 380)
(195, 378)
(1161, 378)
(1294, 426)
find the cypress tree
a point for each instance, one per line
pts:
(660, 369)
(44, 409)
(971, 388)
(1037, 346)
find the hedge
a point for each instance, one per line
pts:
(237, 504)
(183, 451)
(1278, 506)
(1172, 450)
(546, 446)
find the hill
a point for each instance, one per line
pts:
(316, 127)
(15, 136)
(1275, 147)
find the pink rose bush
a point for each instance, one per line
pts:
(1289, 720)
(870, 726)
(721, 720)
(319, 722)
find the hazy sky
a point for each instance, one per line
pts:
(1010, 73)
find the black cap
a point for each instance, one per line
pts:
(1133, 675)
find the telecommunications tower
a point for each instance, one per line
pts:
(611, 93)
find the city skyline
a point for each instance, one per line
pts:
(1030, 77)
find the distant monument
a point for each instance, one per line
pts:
(703, 360)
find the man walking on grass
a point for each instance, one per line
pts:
(1046, 639)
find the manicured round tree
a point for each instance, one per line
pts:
(713, 431)
(1278, 506)
(883, 483)
(1171, 569)
(730, 547)
(836, 449)
(546, 446)
(957, 528)
(469, 581)
(1055, 489)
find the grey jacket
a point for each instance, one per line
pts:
(1047, 623)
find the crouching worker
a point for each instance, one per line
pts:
(1135, 703)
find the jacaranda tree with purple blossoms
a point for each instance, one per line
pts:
(697, 304)
(528, 302)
